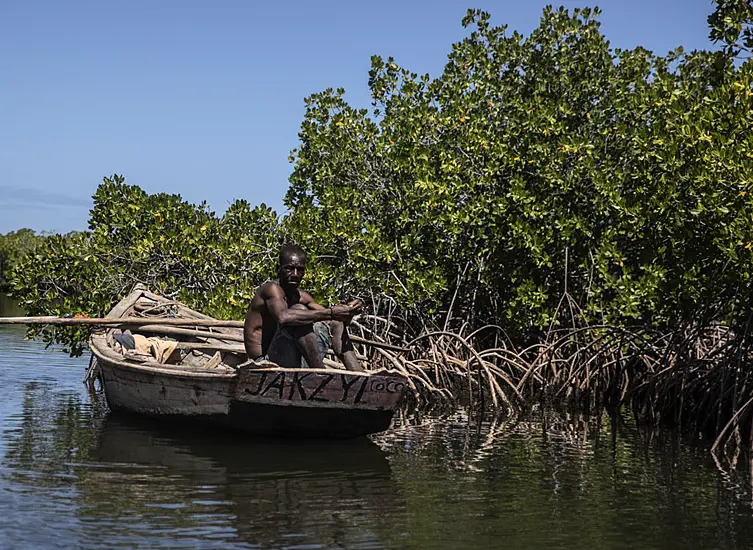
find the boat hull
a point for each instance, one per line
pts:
(274, 402)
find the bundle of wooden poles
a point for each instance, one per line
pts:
(167, 326)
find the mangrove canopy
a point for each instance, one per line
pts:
(589, 206)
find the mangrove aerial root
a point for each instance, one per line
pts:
(694, 377)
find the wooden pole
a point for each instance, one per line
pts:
(382, 345)
(143, 322)
(212, 347)
(161, 329)
(115, 321)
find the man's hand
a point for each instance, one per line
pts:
(345, 313)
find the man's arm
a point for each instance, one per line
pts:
(308, 301)
(353, 308)
(274, 299)
(248, 335)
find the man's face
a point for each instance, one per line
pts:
(292, 271)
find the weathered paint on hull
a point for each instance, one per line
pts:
(153, 394)
(272, 402)
(320, 389)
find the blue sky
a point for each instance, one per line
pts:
(205, 99)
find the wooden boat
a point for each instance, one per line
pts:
(207, 379)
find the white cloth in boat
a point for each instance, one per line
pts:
(156, 348)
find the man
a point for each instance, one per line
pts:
(286, 326)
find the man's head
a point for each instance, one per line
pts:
(292, 265)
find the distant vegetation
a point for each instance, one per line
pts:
(586, 207)
(14, 246)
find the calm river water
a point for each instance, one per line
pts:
(73, 476)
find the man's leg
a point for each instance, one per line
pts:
(283, 349)
(307, 342)
(343, 347)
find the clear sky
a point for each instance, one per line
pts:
(205, 98)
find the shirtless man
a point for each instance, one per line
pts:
(286, 326)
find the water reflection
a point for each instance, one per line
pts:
(256, 491)
(71, 475)
(138, 482)
(564, 481)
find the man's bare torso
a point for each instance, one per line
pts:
(260, 324)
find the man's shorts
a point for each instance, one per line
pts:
(284, 350)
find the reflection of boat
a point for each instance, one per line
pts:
(238, 490)
(130, 440)
(203, 378)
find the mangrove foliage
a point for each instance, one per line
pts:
(14, 245)
(548, 217)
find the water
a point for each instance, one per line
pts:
(73, 476)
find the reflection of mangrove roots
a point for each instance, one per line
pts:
(695, 377)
